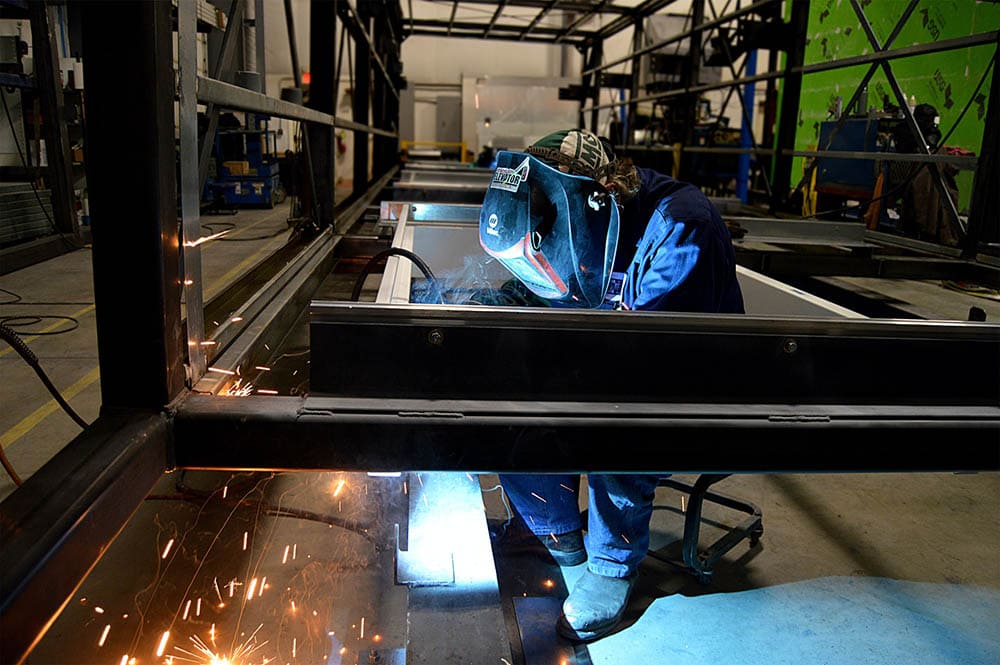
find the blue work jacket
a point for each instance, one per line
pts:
(675, 251)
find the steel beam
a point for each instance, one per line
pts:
(59, 523)
(131, 175)
(389, 434)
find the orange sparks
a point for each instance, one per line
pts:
(566, 487)
(225, 491)
(246, 535)
(263, 583)
(188, 282)
(284, 557)
(251, 588)
(104, 635)
(166, 550)
(265, 391)
(626, 539)
(295, 549)
(553, 537)
(340, 487)
(377, 638)
(548, 584)
(204, 239)
(343, 650)
(236, 319)
(163, 643)
(124, 660)
(208, 342)
(222, 371)
(539, 498)
(263, 368)
(293, 606)
(187, 609)
(99, 610)
(295, 644)
(362, 628)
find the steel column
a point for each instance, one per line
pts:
(131, 175)
(361, 108)
(318, 139)
(791, 90)
(694, 67)
(984, 216)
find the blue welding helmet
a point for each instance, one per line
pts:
(557, 232)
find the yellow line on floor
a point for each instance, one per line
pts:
(42, 412)
(75, 315)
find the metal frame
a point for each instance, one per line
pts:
(60, 521)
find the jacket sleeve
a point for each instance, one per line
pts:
(680, 264)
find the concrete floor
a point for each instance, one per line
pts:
(851, 568)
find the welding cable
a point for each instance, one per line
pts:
(396, 251)
(29, 357)
(31, 319)
(16, 297)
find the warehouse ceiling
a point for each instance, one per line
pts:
(552, 21)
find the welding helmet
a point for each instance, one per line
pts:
(555, 231)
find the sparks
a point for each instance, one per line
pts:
(208, 342)
(104, 635)
(539, 498)
(202, 240)
(362, 628)
(251, 588)
(566, 487)
(263, 583)
(166, 550)
(263, 368)
(246, 534)
(222, 371)
(548, 584)
(284, 557)
(626, 539)
(236, 319)
(99, 610)
(187, 609)
(266, 391)
(163, 643)
(293, 606)
(188, 282)
(218, 592)
(340, 487)
(124, 660)
(197, 608)
(295, 549)
(295, 644)
(553, 537)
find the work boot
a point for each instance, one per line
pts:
(566, 549)
(595, 606)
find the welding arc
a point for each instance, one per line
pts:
(396, 251)
(29, 357)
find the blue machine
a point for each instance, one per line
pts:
(849, 178)
(246, 171)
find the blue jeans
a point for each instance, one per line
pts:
(619, 509)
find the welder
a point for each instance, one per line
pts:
(580, 228)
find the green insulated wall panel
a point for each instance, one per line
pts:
(946, 80)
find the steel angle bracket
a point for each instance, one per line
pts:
(425, 568)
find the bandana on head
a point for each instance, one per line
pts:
(575, 151)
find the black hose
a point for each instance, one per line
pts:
(25, 352)
(396, 251)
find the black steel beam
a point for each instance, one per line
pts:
(288, 433)
(788, 117)
(131, 177)
(467, 353)
(478, 34)
(542, 13)
(517, 31)
(319, 139)
(59, 523)
(581, 19)
(361, 106)
(221, 70)
(984, 215)
(564, 5)
(493, 20)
